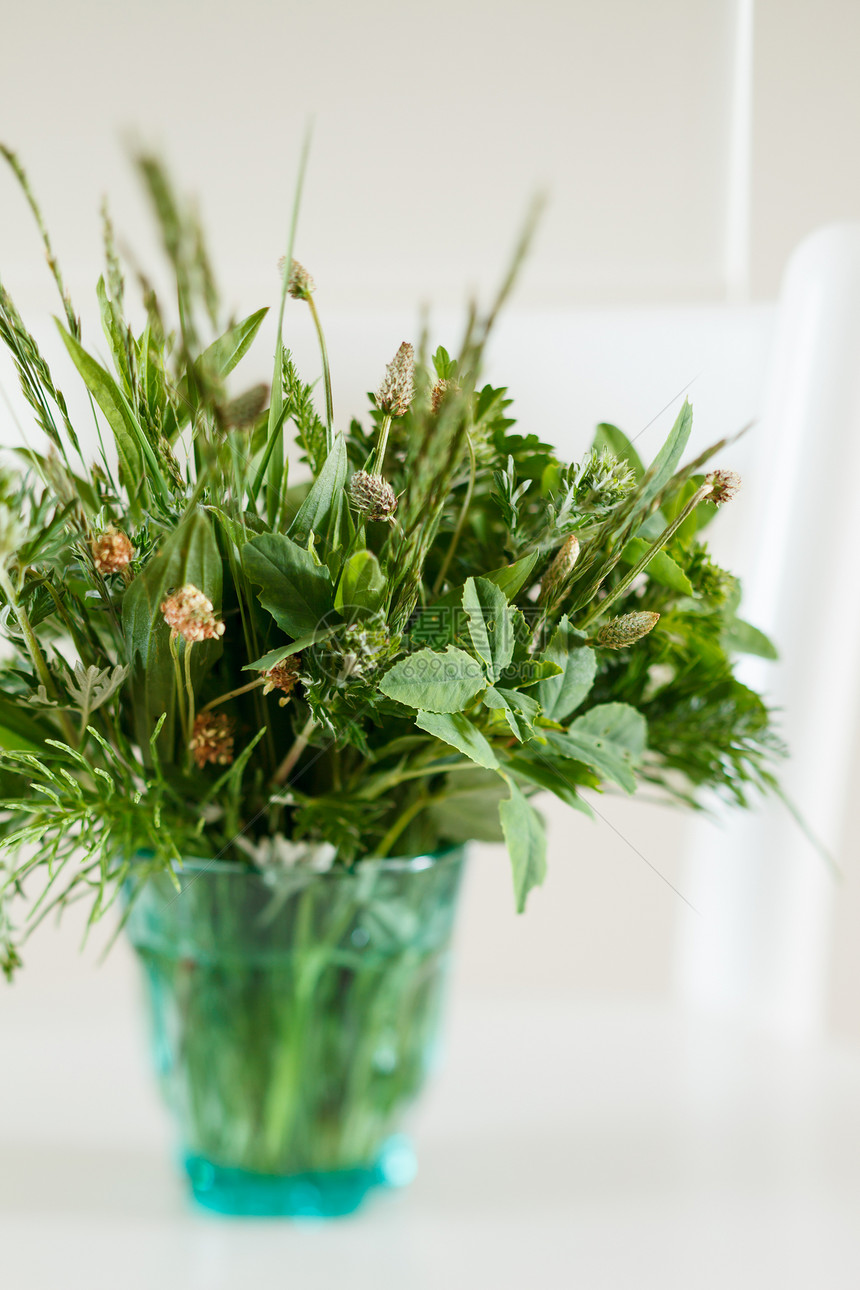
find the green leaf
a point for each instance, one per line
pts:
(490, 625)
(321, 511)
(127, 434)
(528, 671)
(190, 554)
(278, 655)
(559, 775)
(661, 567)
(609, 436)
(293, 587)
(511, 578)
(434, 682)
(469, 810)
(362, 584)
(224, 353)
(457, 730)
(742, 638)
(663, 466)
(526, 838)
(519, 710)
(562, 694)
(610, 737)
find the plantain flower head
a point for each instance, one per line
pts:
(627, 629)
(398, 389)
(283, 676)
(372, 495)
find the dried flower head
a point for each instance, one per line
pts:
(724, 485)
(112, 551)
(244, 410)
(190, 615)
(372, 495)
(283, 676)
(212, 739)
(560, 569)
(300, 284)
(627, 629)
(398, 389)
(437, 394)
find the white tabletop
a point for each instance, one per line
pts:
(564, 1145)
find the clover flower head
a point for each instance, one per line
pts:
(190, 614)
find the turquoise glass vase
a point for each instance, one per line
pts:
(294, 1021)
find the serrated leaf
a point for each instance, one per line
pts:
(432, 682)
(457, 730)
(362, 585)
(526, 840)
(293, 586)
(558, 775)
(610, 737)
(490, 625)
(528, 671)
(562, 694)
(519, 710)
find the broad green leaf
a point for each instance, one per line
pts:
(456, 729)
(519, 710)
(469, 810)
(321, 511)
(511, 578)
(362, 584)
(526, 838)
(190, 554)
(661, 567)
(558, 775)
(610, 737)
(609, 436)
(490, 625)
(663, 466)
(529, 671)
(19, 729)
(434, 682)
(560, 695)
(742, 638)
(293, 586)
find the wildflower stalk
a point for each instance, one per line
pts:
(629, 578)
(329, 412)
(180, 687)
(382, 444)
(233, 694)
(299, 745)
(189, 688)
(461, 519)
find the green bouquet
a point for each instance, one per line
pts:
(394, 651)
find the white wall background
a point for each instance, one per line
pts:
(686, 146)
